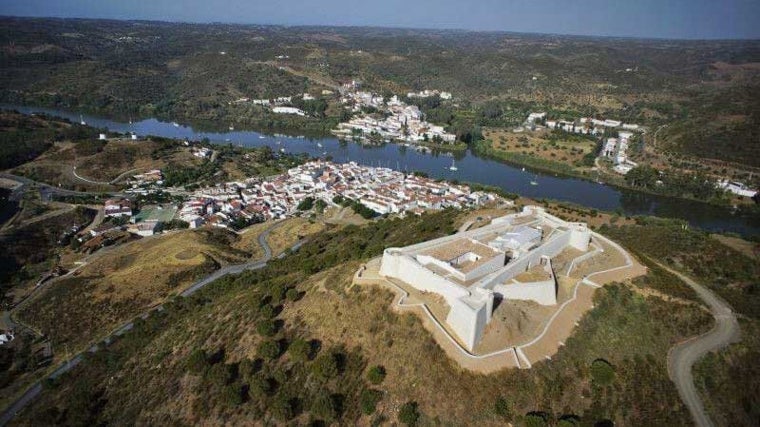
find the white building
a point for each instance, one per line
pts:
(288, 110)
(737, 188)
(509, 258)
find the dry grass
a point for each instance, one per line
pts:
(537, 144)
(55, 166)
(119, 282)
(291, 231)
(248, 239)
(750, 249)
(417, 367)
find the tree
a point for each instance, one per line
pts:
(643, 176)
(602, 373)
(409, 413)
(376, 374)
(306, 204)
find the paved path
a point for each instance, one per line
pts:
(46, 190)
(466, 226)
(682, 356)
(25, 399)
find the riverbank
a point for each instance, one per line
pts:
(485, 148)
(471, 167)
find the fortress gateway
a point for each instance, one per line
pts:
(509, 259)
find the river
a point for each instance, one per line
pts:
(471, 168)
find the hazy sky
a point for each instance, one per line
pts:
(637, 18)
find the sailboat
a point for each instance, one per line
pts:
(453, 166)
(534, 181)
(81, 121)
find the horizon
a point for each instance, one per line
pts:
(677, 20)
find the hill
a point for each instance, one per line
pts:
(196, 72)
(295, 342)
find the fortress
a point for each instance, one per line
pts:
(509, 259)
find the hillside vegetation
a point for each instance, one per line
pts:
(119, 283)
(294, 343)
(704, 90)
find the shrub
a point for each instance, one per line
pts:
(376, 374)
(259, 386)
(369, 399)
(409, 413)
(299, 350)
(233, 395)
(293, 294)
(267, 311)
(501, 408)
(197, 361)
(269, 349)
(281, 407)
(323, 406)
(266, 328)
(536, 419)
(325, 366)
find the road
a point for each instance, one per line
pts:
(25, 399)
(682, 356)
(46, 191)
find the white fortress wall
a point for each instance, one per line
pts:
(405, 268)
(581, 236)
(544, 293)
(468, 317)
(550, 248)
(492, 265)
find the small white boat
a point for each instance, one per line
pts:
(324, 153)
(319, 144)
(523, 169)
(232, 128)
(262, 137)
(282, 150)
(533, 183)
(175, 124)
(81, 121)
(453, 166)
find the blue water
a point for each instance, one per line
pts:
(471, 168)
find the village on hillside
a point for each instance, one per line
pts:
(372, 191)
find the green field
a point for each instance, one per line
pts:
(156, 213)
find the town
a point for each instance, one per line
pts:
(379, 191)
(394, 120)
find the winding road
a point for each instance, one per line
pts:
(682, 356)
(25, 399)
